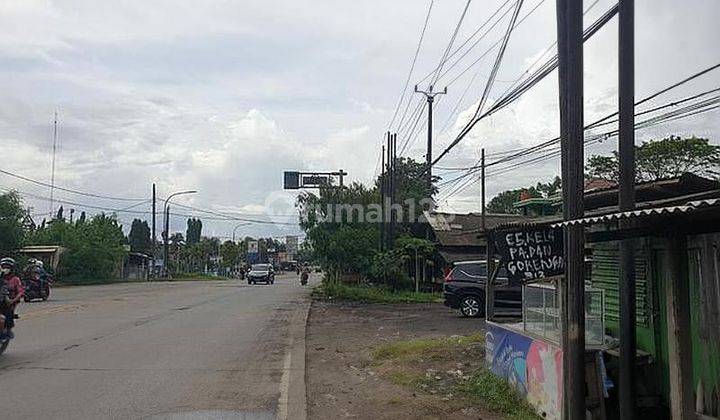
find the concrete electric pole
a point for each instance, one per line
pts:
(430, 96)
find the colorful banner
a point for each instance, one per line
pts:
(532, 367)
(506, 354)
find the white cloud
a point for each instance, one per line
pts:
(225, 96)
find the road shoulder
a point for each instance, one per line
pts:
(292, 403)
(342, 379)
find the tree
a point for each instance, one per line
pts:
(503, 203)
(342, 225)
(11, 223)
(139, 236)
(344, 242)
(666, 158)
(230, 253)
(194, 231)
(416, 249)
(94, 249)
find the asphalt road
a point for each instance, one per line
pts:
(168, 350)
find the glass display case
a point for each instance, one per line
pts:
(541, 313)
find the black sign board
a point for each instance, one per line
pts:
(292, 180)
(531, 254)
(315, 180)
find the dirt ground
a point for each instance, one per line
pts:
(343, 381)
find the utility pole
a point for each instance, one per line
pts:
(389, 194)
(166, 239)
(383, 175)
(489, 248)
(341, 174)
(430, 96)
(52, 169)
(393, 187)
(154, 203)
(482, 188)
(626, 201)
(570, 71)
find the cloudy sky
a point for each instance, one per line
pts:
(222, 96)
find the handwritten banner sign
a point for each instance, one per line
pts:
(531, 254)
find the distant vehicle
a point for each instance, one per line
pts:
(289, 265)
(464, 289)
(261, 273)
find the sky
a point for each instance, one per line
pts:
(222, 96)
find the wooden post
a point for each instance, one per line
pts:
(626, 200)
(489, 248)
(570, 71)
(482, 188)
(382, 200)
(490, 279)
(677, 291)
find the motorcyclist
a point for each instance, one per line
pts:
(305, 275)
(35, 277)
(14, 289)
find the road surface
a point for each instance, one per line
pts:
(166, 350)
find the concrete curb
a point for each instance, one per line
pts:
(293, 399)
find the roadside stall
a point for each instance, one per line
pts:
(527, 353)
(677, 275)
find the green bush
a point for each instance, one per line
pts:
(371, 294)
(94, 248)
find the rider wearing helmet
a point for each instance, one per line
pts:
(14, 290)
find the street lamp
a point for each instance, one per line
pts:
(166, 234)
(235, 229)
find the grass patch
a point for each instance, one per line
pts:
(372, 294)
(406, 379)
(430, 365)
(426, 347)
(497, 395)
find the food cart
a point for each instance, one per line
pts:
(527, 353)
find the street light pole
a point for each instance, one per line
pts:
(166, 234)
(235, 230)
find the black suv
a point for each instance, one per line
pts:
(464, 289)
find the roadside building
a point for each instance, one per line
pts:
(137, 266)
(461, 237)
(48, 254)
(676, 232)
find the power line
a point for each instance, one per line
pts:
(128, 210)
(412, 65)
(490, 48)
(483, 25)
(684, 112)
(496, 65)
(498, 59)
(450, 44)
(531, 81)
(87, 194)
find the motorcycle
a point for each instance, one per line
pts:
(37, 288)
(4, 338)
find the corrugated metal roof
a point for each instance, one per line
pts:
(689, 207)
(457, 229)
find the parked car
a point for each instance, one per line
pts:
(261, 273)
(464, 289)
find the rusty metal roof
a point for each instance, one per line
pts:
(689, 207)
(458, 229)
